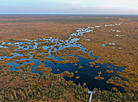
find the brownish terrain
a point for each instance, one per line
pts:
(24, 86)
(125, 52)
(32, 27)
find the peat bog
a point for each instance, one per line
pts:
(89, 55)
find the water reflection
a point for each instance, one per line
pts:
(86, 74)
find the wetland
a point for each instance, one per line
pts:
(50, 67)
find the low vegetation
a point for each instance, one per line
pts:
(114, 44)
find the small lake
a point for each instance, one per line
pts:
(86, 74)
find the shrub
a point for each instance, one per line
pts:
(11, 39)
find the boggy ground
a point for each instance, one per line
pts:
(72, 51)
(68, 59)
(122, 52)
(13, 28)
(18, 27)
(24, 86)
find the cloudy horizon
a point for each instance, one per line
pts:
(68, 7)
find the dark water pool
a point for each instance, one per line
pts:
(86, 74)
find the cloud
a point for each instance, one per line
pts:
(117, 3)
(65, 6)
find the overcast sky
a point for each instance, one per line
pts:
(68, 6)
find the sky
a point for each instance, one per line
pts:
(68, 6)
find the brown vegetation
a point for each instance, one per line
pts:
(77, 77)
(99, 77)
(21, 85)
(72, 51)
(33, 27)
(109, 71)
(125, 52)
(80, 67)
(68, 59)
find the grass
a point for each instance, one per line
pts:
(24, 83)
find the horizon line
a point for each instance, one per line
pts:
(64, 14)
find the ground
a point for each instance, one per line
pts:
(121, 49)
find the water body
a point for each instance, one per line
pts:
(86, 74)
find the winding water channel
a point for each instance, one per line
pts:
(86, 74)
